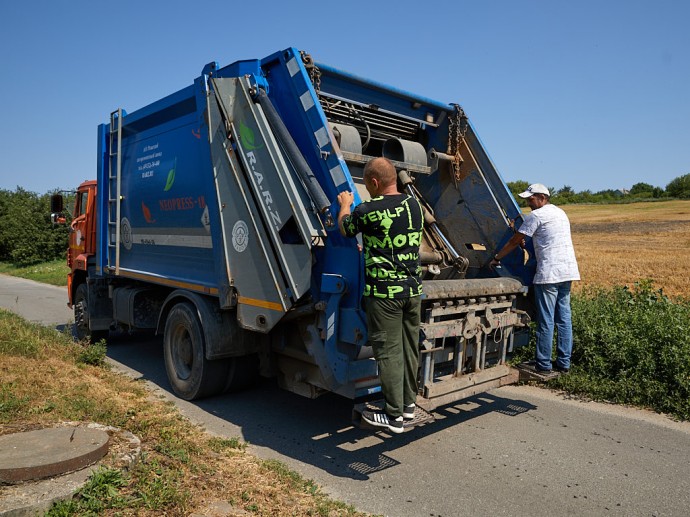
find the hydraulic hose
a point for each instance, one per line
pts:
(429, 219)
(295, 156)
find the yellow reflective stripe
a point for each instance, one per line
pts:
(168, 282)
(264, 304)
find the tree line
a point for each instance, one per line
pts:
(678, 188)
(27, 235)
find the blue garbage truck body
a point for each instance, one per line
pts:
(214, 224)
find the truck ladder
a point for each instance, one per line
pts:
(114, 186)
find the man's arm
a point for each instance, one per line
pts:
(345, 199)
(515, 241)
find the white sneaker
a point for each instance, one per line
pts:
(381, 419)
(408, 412)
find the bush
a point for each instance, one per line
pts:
(27, 235)
(516, 187)
(679, 187)
(94, 354)
(642, 190)
(631, 346)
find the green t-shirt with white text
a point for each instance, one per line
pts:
(391, 228)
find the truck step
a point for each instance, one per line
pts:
(421, 416)
(528, 372)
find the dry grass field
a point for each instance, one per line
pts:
(622, 244)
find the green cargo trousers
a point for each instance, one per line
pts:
(393, 327)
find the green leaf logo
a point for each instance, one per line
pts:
(247, 137)
(171, 177)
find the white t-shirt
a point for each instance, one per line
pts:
(549, 228)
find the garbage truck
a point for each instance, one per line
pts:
(212, 222)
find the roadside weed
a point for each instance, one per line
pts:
(218, 444)
(630, 346)
(101, 492)
(93, 354)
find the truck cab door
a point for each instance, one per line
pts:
(82, 238)
(78, 232)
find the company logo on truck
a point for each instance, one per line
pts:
(247, 136)
(181, 203)
(147, 213)
(125, 233)
(266, 197)
(240, 236)
(171, 177)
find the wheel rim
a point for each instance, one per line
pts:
(81, 316)
(183, 352)
(81, 311)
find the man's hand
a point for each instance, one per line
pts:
(346, 198)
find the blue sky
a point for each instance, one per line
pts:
(590, 94)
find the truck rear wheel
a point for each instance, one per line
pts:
(191, 375)
(81, 317)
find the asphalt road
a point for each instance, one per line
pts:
(518, 450)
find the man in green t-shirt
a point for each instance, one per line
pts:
(391, 225)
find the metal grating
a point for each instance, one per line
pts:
(380, 124)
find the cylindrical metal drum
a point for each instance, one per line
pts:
(400, 150)
(348, 138)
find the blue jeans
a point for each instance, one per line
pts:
(553, 309)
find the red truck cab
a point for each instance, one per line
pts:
(82, 238)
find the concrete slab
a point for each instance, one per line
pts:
(49, 452)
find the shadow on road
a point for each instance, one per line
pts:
(317, 432)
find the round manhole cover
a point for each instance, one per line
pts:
(49, 452)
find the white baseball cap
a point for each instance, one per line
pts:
(535, 188)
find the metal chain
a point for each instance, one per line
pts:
(313, 70)
(457, 129)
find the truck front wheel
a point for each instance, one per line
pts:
(82, 315)
(191, 375)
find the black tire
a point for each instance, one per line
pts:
(191, 375)
(81, 317)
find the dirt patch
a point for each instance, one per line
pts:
(622, 244)
(630, 227)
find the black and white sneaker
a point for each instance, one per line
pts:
(381, 419)
(408, 412)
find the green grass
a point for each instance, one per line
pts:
(296, 482)
(100, 493)
(53, 273)
(218, 444)
(46, 378)
(20, 338)
(630, 346)
(10, 402)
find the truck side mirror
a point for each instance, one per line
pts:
(57, 219)
(57, 203)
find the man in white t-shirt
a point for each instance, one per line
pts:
(549, 228)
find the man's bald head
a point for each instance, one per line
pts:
(382, 170)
